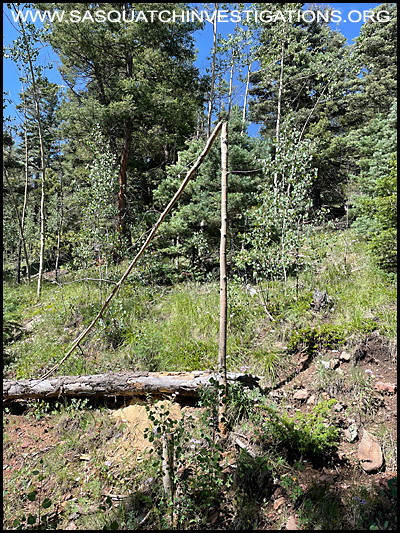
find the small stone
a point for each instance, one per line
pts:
(325, 396)
(279, 502)
(345, 356)
(390, 388)
(301, 394)
(334, 363)
(351, 433)
(338, 407)
(311, 400)
(291, 523)
(370, 453)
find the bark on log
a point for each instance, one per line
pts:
(130, 384)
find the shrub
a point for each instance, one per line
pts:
(312, 338)
(306, 435)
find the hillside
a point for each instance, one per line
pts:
(294, 456)
(200, 266)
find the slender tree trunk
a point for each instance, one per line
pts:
(122, 226)
(42, 161)
(279, 110)
(42, 213)
(168, 469)
(214, 53)
(223, 281)
(26, 168)
(278, 116)
(278, 127)
(60, 223)
(230, 86)
(246, 94)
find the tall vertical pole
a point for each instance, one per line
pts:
(223, 281)
(214, 54)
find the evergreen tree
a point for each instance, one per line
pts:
(304, 71)
(137, 80)
(190, 239)
(375, 53)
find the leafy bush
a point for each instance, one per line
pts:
(306, 435)
(312, 338)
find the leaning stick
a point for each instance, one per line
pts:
(142, 249)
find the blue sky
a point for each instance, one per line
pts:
(204, 40)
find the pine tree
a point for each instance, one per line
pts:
(138, 82)
(189, 240)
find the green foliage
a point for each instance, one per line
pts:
(197, 470)
(305, 435)
(241, 403)
(279, 227)
(383, 242)
(320, 508)
(98, 197)
(312, 338)
(254, 477)
(375, 53)
(39, 520)
(375, 200)
(189, 241)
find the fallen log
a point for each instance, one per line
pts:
(128, 384)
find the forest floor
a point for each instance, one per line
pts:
(27, 439)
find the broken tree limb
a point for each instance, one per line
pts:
(142, 249)
(128, 384)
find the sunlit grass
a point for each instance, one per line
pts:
(177, 328)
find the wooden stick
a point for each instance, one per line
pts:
(145, 245)
(223, 282)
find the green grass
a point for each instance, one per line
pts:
(177, 328)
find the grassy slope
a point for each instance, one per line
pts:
(176, 328)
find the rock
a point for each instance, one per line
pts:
(338, 407)
(390, 388)
(311, 400)
(334, 363)
(279, 502)
(301, 394)
(345, 356)
(320, 300)
(291, 523)
(325, 396)
(351, 433)
(370, 453)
